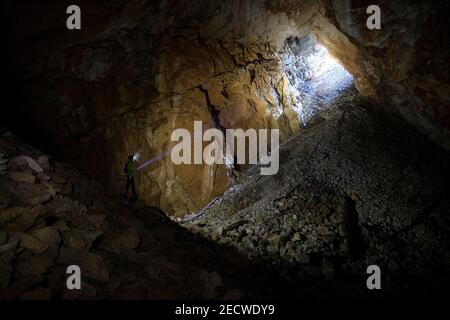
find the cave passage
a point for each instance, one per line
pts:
(315, 77)
(362, 116)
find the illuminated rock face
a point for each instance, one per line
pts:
(137, 70)
(315, 77)
(194, 84)
(404, 65)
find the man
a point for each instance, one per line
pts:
(130, 169)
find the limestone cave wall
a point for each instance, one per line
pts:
(139, 69)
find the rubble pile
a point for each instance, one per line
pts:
(52, 217)
(354, 189)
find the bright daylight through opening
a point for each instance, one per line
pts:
(315, 77)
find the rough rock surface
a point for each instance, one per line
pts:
(139, 69)
(125, 250)
(355, 189)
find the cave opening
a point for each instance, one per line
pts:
(363, 177)
(315, 77)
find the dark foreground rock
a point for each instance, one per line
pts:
(51, 217)
(355, 188)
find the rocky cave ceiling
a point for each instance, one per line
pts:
(139, 69)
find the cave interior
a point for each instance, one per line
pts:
(364, 164)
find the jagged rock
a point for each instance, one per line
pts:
(44, 163)
(92, 236)
(316, 221)
(10, 214)
(81, 239)
(235, 225)
(22, 177)
(96, 219)
(128, 240)
(10, 245)
(50, 189)
(283, 251)
(323, 231)
(61, 226)
(214, 236)
(296, 237)
(234, 63)
(50, 236)
(336, 219)
(43, 177)
(56, 224)
(32, 194)
(64, 188)
(77, 241)
(32, 243)
(20, 219)
(73, 212)
(30, 162)
(90, 264)
(275, 241)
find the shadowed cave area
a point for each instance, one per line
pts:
(364, 161)
(315, 77)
